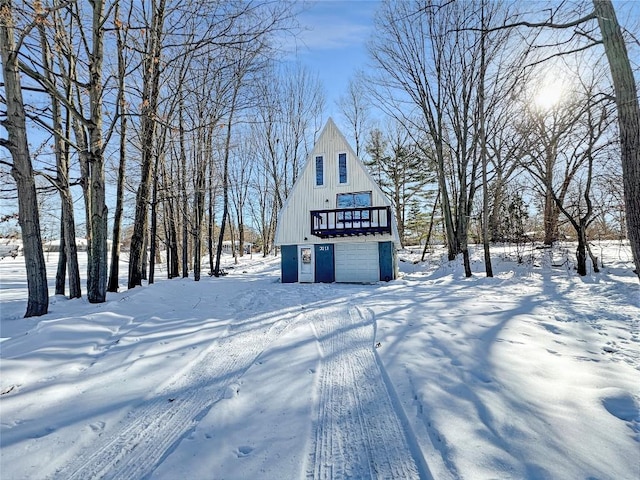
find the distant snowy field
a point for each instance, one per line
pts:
(532, 374)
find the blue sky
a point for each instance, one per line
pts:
(335, 33)
(333, 42)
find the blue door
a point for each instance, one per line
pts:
(289, 263)
(325, 270)
(387, 261)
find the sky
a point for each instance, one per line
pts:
(333, 43)
(334, 37)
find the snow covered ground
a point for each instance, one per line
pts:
(533, 374)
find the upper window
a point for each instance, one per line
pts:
(319, 171)
(353, 200)
(342, 167)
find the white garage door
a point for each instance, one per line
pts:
(357, 262)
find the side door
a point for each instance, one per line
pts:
(306, 262)
(324, 264)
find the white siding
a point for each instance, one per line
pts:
(294, 223)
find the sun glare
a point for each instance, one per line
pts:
(548, 94)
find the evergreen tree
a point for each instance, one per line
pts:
(400, 169)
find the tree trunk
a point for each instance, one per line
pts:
(151, 91)
(466, 261)
(172, 238)
(22, 170)
(212, 218)
(174, 265)
(114, 272)
(496, 233)
(241, 236)
(225, 183)
(462, 230)
(154, 224)
(184, 210)
(483, 151)
(68, 256)
(117, 218)
(70, 246)
(167, 243)
(628, 118)
(581, 251)
(97, 263)
(61, 271)
(199, 216)
(430, 229)
(399, 213)
(232, 234)
(145, 256)
(594, 259)
(217, 271)
(68, 218)
(452, 245)
(551, 213)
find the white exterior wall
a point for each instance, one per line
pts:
(294, 223)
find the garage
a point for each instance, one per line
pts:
(357, 262)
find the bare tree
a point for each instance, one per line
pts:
(210, 94)
(548, 135)
(21, 168)
(241, 172)
(152, 65)
(180, 37)
(262, 199)
(90, 138)
(429, 62)
(245, 64)
(68, 258)
(482, 139)
(289, 114)
(625, 89)
(576, 152)
(626, 97)
(121, 29)
(217, 271)
(355, 106)
(94, 154)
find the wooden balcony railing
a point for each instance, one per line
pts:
(346, 222)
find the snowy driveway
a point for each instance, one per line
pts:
(176, 389)
(357, 432)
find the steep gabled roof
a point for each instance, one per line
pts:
(330, 141)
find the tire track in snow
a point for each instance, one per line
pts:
(357, 432)
(150, 432)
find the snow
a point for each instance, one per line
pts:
(533, 374)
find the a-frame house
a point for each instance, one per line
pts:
(336, 225)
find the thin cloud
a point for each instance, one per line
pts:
(332, 25)
(329, 32)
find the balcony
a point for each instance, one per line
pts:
(346, 222)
